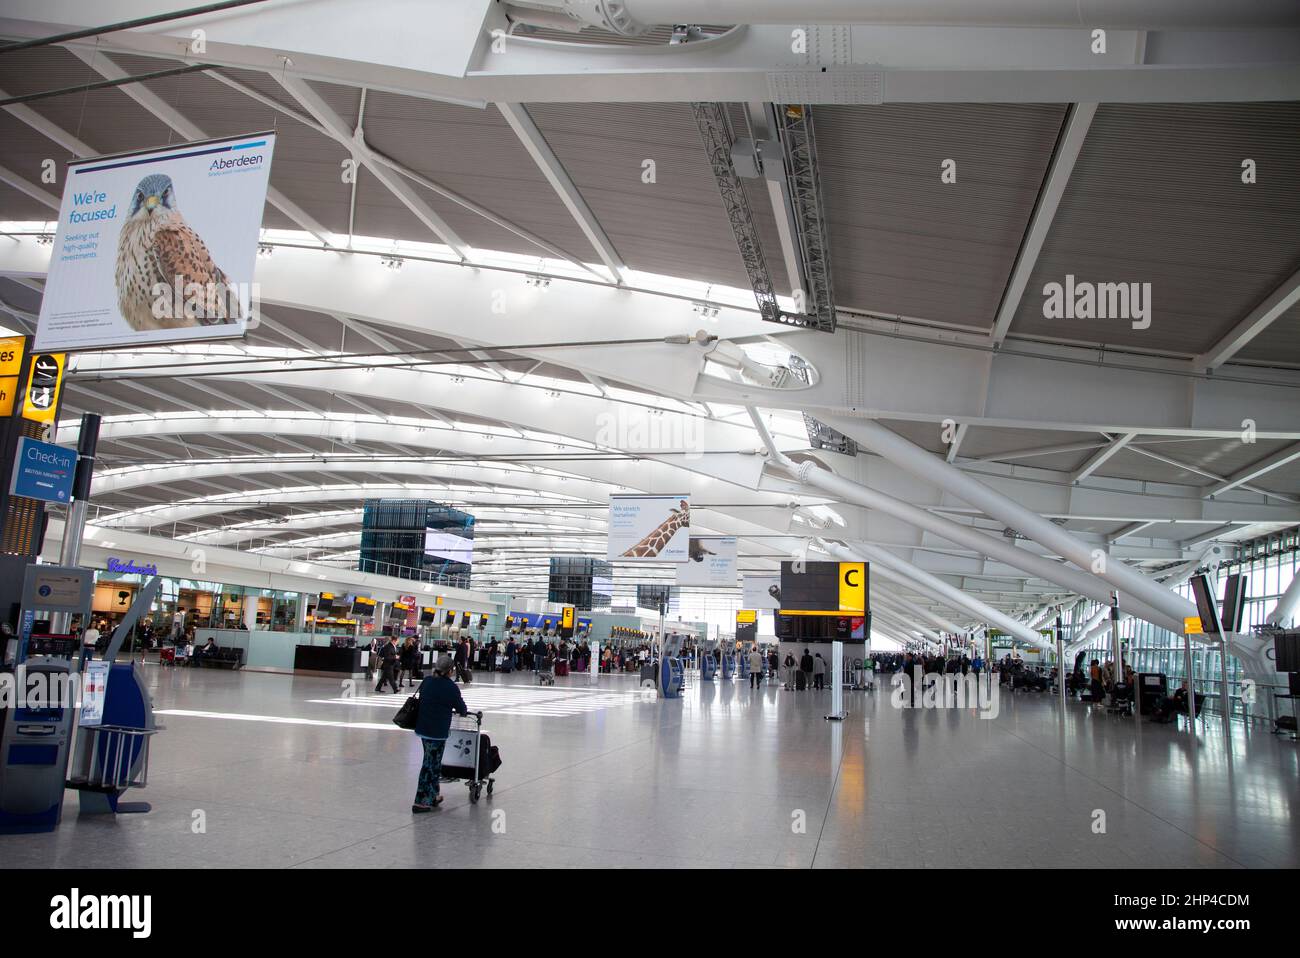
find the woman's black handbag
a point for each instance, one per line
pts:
(408, 714)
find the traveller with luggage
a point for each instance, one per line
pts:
(803, 678)
(438, 698)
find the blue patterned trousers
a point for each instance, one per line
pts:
(426, 789)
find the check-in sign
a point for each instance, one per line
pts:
(43, 471)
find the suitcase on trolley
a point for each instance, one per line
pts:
(459, 762)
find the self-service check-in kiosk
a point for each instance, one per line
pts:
(105, 701)
(708, 664)
(39, 703)
(728, 664)
(671, 673)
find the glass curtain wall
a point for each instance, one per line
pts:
(1269, 564)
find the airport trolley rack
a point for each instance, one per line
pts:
(462, 754)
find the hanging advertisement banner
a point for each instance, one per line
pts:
(649, 528)
(761, 591)
(712, 562)
(157, 246)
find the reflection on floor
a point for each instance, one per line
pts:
(266, 770)
(516, 699)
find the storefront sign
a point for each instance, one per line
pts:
(129, 567)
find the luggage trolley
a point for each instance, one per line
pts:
(546, 672)
(469, 755)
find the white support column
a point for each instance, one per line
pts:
(880, 557)
(906, 605)
(1286, 605)
(1130, 583)
(1074, 580)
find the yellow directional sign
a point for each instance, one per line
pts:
(1192, 625)
(746, 615)
(11, 364)
(566, 622)
(853, 587)
(44, 381)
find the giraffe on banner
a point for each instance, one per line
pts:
(662, 534)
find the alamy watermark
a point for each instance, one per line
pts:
(946, 690)
(650, 430)
(1084, 300)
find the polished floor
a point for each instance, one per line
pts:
(266, 770)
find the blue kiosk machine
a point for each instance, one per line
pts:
(672, 674)
(708, 664)
(87, 725)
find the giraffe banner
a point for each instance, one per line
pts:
(712, 562)
(157, 246)
(649, 528)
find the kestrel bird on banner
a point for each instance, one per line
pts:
(157, 246)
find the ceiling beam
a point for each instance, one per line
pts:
(1258, 320)
(1040, 451)
(957, 438)
(1131, 529)
(1099, 458)
(1197, 470)
(1068, 146)
(106, 68)
(517, 116)
(315, 104)
(1268, 464)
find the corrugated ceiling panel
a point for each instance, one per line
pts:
(106, 120)
(476, 154)
(904, 242)
(16, 294)
(24, 150)
(17, 205)
(675, 226)
(1156, 197)
(307, 166)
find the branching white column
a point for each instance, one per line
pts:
(1132, 584)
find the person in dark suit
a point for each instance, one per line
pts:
(439, 697)
(806, 666)
(388, 660)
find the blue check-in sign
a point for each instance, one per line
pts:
(43, 471)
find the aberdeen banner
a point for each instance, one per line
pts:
(157, 246)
